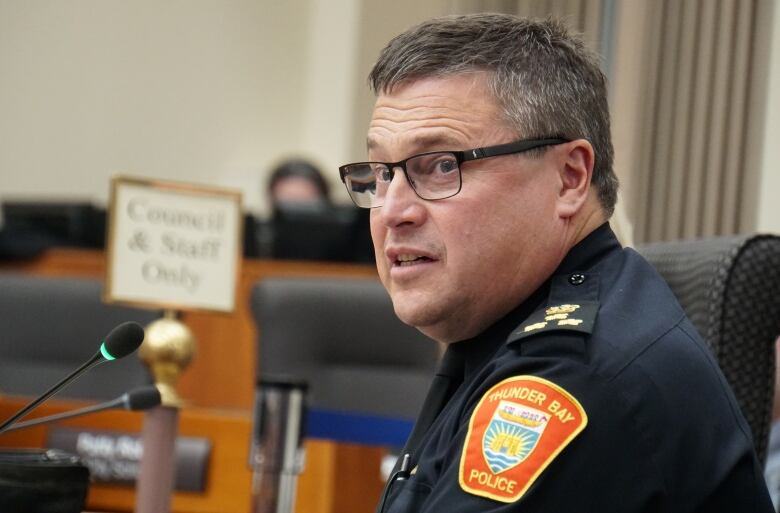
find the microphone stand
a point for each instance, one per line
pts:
(121, 341)
(95, 360)
(67, 415)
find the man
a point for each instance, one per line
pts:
(772, 467)
(572, 380)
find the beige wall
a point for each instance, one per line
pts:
(218, 91)
(195, 90)
(768, 208)
(332, 79)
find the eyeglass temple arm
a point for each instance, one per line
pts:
(513, 147)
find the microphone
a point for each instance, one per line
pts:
(141, 398)
(123, 340)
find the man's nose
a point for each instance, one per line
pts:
(401, 204)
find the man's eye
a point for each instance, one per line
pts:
(447, 165)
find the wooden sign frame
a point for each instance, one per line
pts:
(216, 235)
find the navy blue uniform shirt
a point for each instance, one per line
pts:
(660, 428)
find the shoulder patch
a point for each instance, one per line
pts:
(518, 427)
(567, 317)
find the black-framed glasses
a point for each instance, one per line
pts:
(434, 175)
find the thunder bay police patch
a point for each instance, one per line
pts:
(512, 434)
(518, 427)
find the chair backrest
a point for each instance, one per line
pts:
(730, 289)
(342, 337)
(50, 326)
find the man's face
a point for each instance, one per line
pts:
(455, 266)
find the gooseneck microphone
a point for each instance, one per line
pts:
(141, 398)
(123, 340)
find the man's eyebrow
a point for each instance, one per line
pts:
(440, 141)
(425, 143)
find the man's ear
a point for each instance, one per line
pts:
(575, 168)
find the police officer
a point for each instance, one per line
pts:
(572, 380)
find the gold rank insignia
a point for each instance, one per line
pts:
(566, 316)
(536, 326)
(562, 309)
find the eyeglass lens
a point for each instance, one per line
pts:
(432, 176)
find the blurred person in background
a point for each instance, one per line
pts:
(305, 224)
(297, 182)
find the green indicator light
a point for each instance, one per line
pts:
(105, 353)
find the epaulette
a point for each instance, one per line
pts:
(579, 317)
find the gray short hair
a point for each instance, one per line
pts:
(545, 79)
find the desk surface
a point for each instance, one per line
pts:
(338, 477)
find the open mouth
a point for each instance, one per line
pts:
(409, 260)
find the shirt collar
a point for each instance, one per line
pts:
(590, 250)
(475, 352)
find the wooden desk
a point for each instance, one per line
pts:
(219, 387)
(217, 378)
(338, 478)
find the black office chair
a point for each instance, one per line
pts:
(342, 337)
(50, 326)
(730, 289)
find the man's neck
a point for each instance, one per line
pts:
(590, 217)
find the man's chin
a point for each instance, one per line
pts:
(413, 313)
(423, 315)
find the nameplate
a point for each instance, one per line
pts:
(173, 245)
(115, 458)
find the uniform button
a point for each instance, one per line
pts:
(577, 279)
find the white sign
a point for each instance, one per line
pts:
(173, 245)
